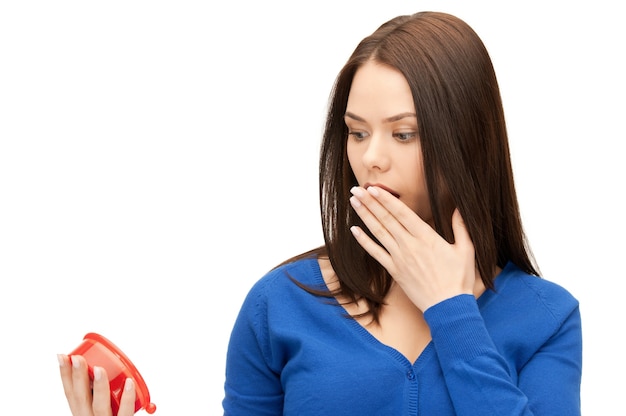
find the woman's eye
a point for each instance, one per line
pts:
(357, 135)
(405, 137)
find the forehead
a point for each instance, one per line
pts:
(379, 87)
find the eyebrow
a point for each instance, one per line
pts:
(387, 120)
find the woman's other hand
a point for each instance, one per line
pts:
(78, 386)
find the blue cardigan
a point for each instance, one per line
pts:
(516, 350)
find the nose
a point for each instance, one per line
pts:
(376, 156)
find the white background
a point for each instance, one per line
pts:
(158, 157)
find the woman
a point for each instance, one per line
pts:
(425, 298)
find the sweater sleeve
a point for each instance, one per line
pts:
(252, 387)
(478, 377)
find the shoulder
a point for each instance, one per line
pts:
(535, 296)
(304, 270)
(527, 313)
(276, 304)
(278, 284)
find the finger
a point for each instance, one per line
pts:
(101, 393)
(400, 212)
(81, 387)
(127, 402)
(463, 243)
(378, 220)
(65, 369)
(462, 237)
(373, 248)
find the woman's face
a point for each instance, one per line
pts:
(383, 143)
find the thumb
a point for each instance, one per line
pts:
(461, 234)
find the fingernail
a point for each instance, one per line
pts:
(373, 191)
(97, 373)
(76, 363)
(61, 360)
(355, 202)
(355, 231)
(356, 191)
(128, 384)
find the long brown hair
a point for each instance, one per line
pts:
(464, 144)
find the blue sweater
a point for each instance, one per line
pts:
(516, 350)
